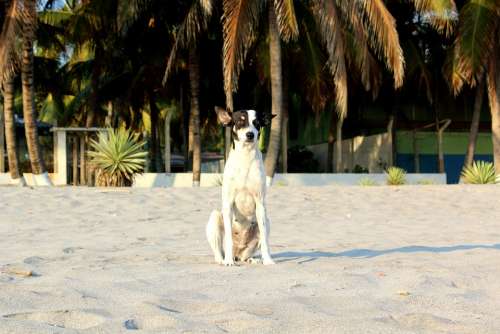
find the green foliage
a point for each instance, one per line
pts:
(480, 172)
(426, 182)
(396, 176)
(366, 181)
(360, 170)
(117, 156)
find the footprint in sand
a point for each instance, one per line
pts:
(72, 319)
(153, 322)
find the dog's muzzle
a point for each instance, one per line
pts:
(250, 136)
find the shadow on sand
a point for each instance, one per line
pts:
(369, 253)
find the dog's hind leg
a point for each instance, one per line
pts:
(215, 235)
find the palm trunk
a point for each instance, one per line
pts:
(284, 127)
(474, 126)
(494, 98)
(194, 79)
(331, 143)
(36, 158)
(94, 83)
(155, 145)
(10, 130)
(338, 146)
(2, 141)
(276, 94)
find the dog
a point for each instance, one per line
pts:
(236, 233)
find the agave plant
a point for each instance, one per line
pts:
(117, 156)
(480, 172)
(396, 176)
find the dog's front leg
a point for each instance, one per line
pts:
(227, 216)
(264, 228)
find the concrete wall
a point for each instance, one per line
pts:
(149, 180)
(370, 152)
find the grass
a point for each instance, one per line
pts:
(396, 176)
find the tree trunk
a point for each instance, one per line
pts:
(474, 125)
(94, 84)
(155, 144)
(2, 141)
(331, 143)
(284, 127)
(338, 146)
(194, 80)
(168, 155)
(29, 112)
(10, 130)
(494, 99)
(276, 94)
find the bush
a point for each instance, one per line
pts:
(480, 172)
(301, 160)
(366, 181)
(396, 176)
(117, 156)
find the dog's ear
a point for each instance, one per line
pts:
(266, 119)
(223, 116)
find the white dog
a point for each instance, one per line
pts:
(237, 232)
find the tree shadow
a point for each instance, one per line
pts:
(363, 253)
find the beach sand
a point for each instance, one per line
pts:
(411, 259)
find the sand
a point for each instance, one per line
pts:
(412, 259)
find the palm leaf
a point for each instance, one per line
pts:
(287, 22)
(382, 28)
(442, 14)
(330, 30)
(195, 22)
(239, 21)
(479, 20)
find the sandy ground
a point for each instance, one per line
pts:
(413, 259)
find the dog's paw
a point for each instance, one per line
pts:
(253, 260)
(228, 262)
(219, 260)
(268, 261)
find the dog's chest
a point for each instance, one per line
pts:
(245, 175)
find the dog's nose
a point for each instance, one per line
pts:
(250, 135)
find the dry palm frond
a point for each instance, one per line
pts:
(479, 21)
(194, 24)
(358, 55)
(11, 29)
(240, 19)
(382, 26)
(441, 14)
(330, 29)
(287, 22)
(450, 70)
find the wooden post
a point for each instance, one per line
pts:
(168, 157)
(2, 142)
(74, 142)
(82, 160)
(338, 146)
(390, 126)
(440, 131)
(416, 158)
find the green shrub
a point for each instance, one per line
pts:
(396, 176)
(480, 172)
(366, 181)
(426, 182)
(117, 156)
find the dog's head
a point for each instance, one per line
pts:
(245, 124)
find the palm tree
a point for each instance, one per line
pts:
(189, 31)
(29, 112)
(476, 55)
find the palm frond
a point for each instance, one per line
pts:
(195, 22)
(287, 21)
(451, 72)
(329, 27)
(239, 23)
(441, 14)
(479, 20)
(382, 26)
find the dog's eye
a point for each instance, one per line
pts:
(256, 124)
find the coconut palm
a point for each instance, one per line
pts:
(194, 24)
(476, 54)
